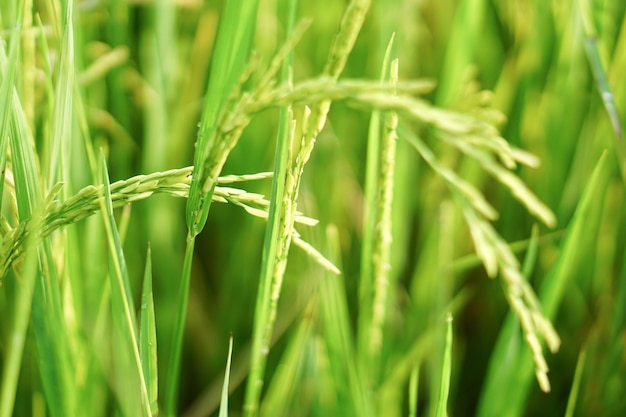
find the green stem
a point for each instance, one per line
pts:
(263, 324)
(13, 360)
(171, 391)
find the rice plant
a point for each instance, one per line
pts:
(417, 208)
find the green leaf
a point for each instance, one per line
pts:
(147, 337)
(413, 390)
(13, 359)
(224, 402)
(350, 386)
(234, 37)
(444, 389)
(370, 210)
(263, 326)
(47, 316)
(578, 376)
(131, 383)
(15, 348)
(599, 71)
(9, 69)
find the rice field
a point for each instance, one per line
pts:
(264, 208)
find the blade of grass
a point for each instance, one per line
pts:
(224, 402)
(147, 337)
(173, 374)
(554, 284)
(47, 315)
(598, 69)
(63, 105)
(370, 214)
(619, 321)
(444, 389)
(350, 387)
(234, 38)
(613, 366)
(578, 376)
(9, 70)
(282, 392)
(53, 353)
(60, 140)
(413, 390)
(464, 41)
(263, 327)
(441, 294)
(122, 307)
(15, 349)
(29, 66)
(233, 42)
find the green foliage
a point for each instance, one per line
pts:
(408, 174)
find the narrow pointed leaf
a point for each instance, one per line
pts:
(444, 389)
(123, 310)
(147, 337)
(224, 403)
